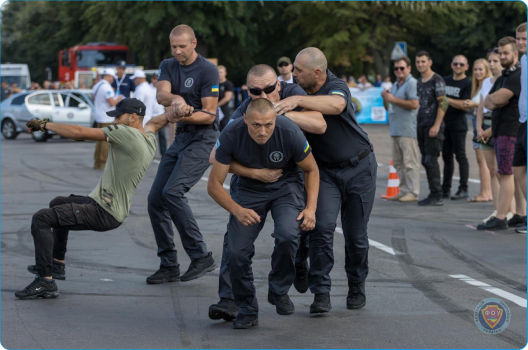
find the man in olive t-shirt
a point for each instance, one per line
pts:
(132, 149)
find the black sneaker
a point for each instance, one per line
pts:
(199, 267)
(301, 277)
(461, 194)
(245, 321)
(164, 275)
(446, 195)
(431, 201)
(521, 229)
(356, 298)
(494, 224)
(225, 309)
(283, 303)
(517, 220)
(58, 271)
(321, 303)
(39, 288)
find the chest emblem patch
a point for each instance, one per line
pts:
(189, 82)
(276, 156)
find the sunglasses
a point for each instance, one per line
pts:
(399, 68)
(283, 64)
(495, 50)
(456, 64)
(267, 90)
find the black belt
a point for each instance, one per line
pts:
(349, 162)
(194, 128)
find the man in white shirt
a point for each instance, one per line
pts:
(144, 93)
(285, 68)
(104, 101)
(519, 158)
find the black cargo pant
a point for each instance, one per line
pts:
(224, 281)
(455, 144)
(77, 213)
(181, 167)
(285, 204)
(351, 190)
(430, 149)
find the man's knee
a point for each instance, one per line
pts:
(43, 217)
(238, 258)
(286, 236)
(174, 193)
(56, 201)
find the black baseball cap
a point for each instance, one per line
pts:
(128, 105)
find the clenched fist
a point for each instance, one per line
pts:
(36, 124)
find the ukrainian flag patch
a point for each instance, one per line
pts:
(214, 88)
(306, 147)
(337, 92)
(217, 144)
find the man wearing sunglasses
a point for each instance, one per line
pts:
(402, 104)
(262, 82)
(186, 82)
(458, 89)
(348, 170)
(285, 67)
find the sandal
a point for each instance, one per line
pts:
(476, 200)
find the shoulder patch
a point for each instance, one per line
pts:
(217, 144)
(214, 88)
(306, 147)
(337, 92)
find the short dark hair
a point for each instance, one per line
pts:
(521, 28)
(508, 40)
(261, 106)
(424, 53)
(403, 58)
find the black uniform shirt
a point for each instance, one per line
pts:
(286, 147)
(343, 138)
(286, 90)
(505, 120)
(455, 119)
(193, 82)
(123, 86)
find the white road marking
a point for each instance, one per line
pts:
(502, 293)
(106, 280)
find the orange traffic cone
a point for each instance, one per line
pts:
(393, 187)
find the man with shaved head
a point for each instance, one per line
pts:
(348, 170)
(259, 140)
(186, 83)
(458, 89)
(263, 83)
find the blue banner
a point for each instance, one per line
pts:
(369, 106)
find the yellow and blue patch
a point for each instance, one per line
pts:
(214, 88)
(306, 147)
(337, 92)
(217, 144)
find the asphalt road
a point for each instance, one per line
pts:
(413, 299)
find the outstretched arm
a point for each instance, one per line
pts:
(73, 132)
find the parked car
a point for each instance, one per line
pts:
(60, 106)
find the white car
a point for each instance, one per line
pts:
(60, 106)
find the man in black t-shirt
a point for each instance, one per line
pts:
(503, 101)
(186, 82)
(430, 129)
(264, 140)
(348, 170)
(263, 83)
(224, 97)
(458, 89)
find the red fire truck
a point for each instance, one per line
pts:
(79, 64)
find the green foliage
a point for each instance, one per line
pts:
(356, 36)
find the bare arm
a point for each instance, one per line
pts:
(226, 99)
(407, 104)
(216, 190)
(329, 105)
(208, 104)
(156, 123)
(498, 99)
(457, 104)
(112, 101)
(442, 108)
(76, 132)
(164, 96)
(309, 121)
(311, 181)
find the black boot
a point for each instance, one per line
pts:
(199, 267)
(321, 303)
(39, 288)
(245, 321)
(225, 309)
(356, 298)
(164, 275)
(301, 277)
(283, 303)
